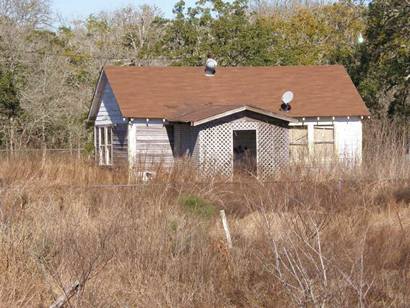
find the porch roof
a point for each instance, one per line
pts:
(209, 113)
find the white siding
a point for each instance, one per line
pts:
(132, 144)
(109, 112)
(348, 140)
(152, 143)
(348, 136)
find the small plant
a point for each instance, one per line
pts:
(173, 225)
(197, 205)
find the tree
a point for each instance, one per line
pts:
(140, 29)
(238, 40)
(9, 101)
(33, 13)
(183, 40)
(384, 69)
(9, 108)
(47, 77)
(222, 28)
(315, 34)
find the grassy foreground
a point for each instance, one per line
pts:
(338, 238)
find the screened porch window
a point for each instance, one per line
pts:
(104, 143)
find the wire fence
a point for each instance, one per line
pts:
(340, 184)
(42, 150)
(81, 153)
(74, 152)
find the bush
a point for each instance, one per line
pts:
(198, 206)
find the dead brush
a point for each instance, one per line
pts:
(308, 237)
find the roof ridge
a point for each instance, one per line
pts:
(226, 67)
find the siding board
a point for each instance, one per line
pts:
(154, 145)
(109, 112)
(120, 145)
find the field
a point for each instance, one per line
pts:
(336, 238)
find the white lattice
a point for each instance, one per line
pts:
(216, 149)
(281, 143)
(266, 163)
(216, 146)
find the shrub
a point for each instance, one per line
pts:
(197, 206)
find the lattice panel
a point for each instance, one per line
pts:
(266, 162)
(216, 146)
(216, 149)
(280, 137)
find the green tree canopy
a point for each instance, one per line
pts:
(385, 60)
(9, 102)
(224, 29)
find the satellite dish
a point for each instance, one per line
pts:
(211, 63)
(287, 97)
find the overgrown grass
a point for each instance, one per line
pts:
(337, 238)
(197, 206)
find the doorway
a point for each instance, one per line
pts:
(244, 152)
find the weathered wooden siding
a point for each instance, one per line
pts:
(196, 145)
(109, 112)
(186, 141)
(154, 144)
(119, 145)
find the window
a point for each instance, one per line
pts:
(104, 144)
(298, 147)
(324, 144)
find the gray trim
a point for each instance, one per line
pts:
(244, 109)
(96, 100)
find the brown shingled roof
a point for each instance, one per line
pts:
(164, 92)
(207, 113)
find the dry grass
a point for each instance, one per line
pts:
(338, 238)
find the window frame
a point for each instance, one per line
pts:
(321, 142)
(301, 144)
(104, 143)
(324, 127)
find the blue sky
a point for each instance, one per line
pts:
(70, 9)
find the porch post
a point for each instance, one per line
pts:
(311, 138)
(132, 144)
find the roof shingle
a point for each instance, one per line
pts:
(164, 92)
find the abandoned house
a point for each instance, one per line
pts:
(224, 119)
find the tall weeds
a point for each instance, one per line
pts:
(338, 237)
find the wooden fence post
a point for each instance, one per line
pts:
(226, 228)
(44, 155)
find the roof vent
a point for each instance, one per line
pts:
(210, 66)
(287, 97)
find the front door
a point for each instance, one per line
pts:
(244, 152)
